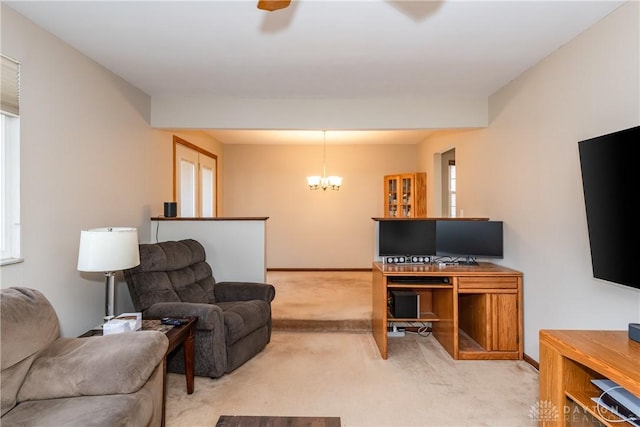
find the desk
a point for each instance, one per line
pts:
(475, 310)
(177, 335)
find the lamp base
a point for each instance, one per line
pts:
(110, 296)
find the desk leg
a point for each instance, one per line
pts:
(188, 359)
(379, 312)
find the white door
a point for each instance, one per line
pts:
(207, 185)
(195, 182)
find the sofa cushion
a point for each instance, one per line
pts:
(171, 271)
(193, 283)
(28, 324)
(118, 410)
(120, 363)
(171, 255)
(28, 319)
(244, 317)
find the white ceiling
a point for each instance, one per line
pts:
(317, 49)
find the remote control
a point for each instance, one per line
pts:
(173, 321)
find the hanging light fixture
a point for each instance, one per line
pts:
(316, 182)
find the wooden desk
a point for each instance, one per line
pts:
(569, 360)
(475, 314)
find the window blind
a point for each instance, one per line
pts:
(9, 86)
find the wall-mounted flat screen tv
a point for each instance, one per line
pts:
(469, 239)
(610, 182)
(407, 237)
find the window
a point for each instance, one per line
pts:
(9, 162)
(195, 180)
(452, 188)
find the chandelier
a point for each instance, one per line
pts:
(316, 182)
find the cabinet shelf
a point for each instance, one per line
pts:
(424, 317)
(583, 400)
(419, 286)
(468, 344)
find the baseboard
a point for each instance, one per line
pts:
(531, 361)
(317, 269)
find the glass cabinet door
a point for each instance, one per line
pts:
(398, 196)
(407, 192)
(391, 196)
(405, 195)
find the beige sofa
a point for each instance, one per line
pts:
(46, 380)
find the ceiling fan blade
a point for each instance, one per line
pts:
(272, 5)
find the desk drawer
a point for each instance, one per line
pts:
(488, 282)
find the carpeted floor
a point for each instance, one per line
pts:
(321, 300)
(341, 374)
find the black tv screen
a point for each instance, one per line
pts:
(407, 237)
(472, 238)
(610, 184)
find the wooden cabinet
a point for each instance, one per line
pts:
(488, 321)
(475, 311)
(569, 360)
(405, 195)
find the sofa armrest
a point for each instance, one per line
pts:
(209, 315)
(243, 291)
(93, 366)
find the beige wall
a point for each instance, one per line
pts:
(524, 169)
(210, 111)
(313, 229)
(89, 159)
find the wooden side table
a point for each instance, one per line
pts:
(178, 335)
(182, 335)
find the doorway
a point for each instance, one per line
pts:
(195, 180)
(448, 183)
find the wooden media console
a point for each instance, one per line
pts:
(570, 360)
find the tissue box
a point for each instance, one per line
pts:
(116, 326)
(134, 319)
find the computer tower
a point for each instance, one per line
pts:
(405, 304)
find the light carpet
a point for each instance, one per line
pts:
(342, 375)
(321, 301)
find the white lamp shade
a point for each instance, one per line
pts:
(108, 249)
(313, 181)
(335, 181)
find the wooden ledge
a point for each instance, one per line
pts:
(235, 218)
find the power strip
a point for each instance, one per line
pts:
(395, 332)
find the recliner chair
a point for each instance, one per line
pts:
(234, 318)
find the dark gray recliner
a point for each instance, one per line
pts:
(234, 318)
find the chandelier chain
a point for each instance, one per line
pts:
(324, 182)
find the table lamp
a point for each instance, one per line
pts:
(108, 250)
